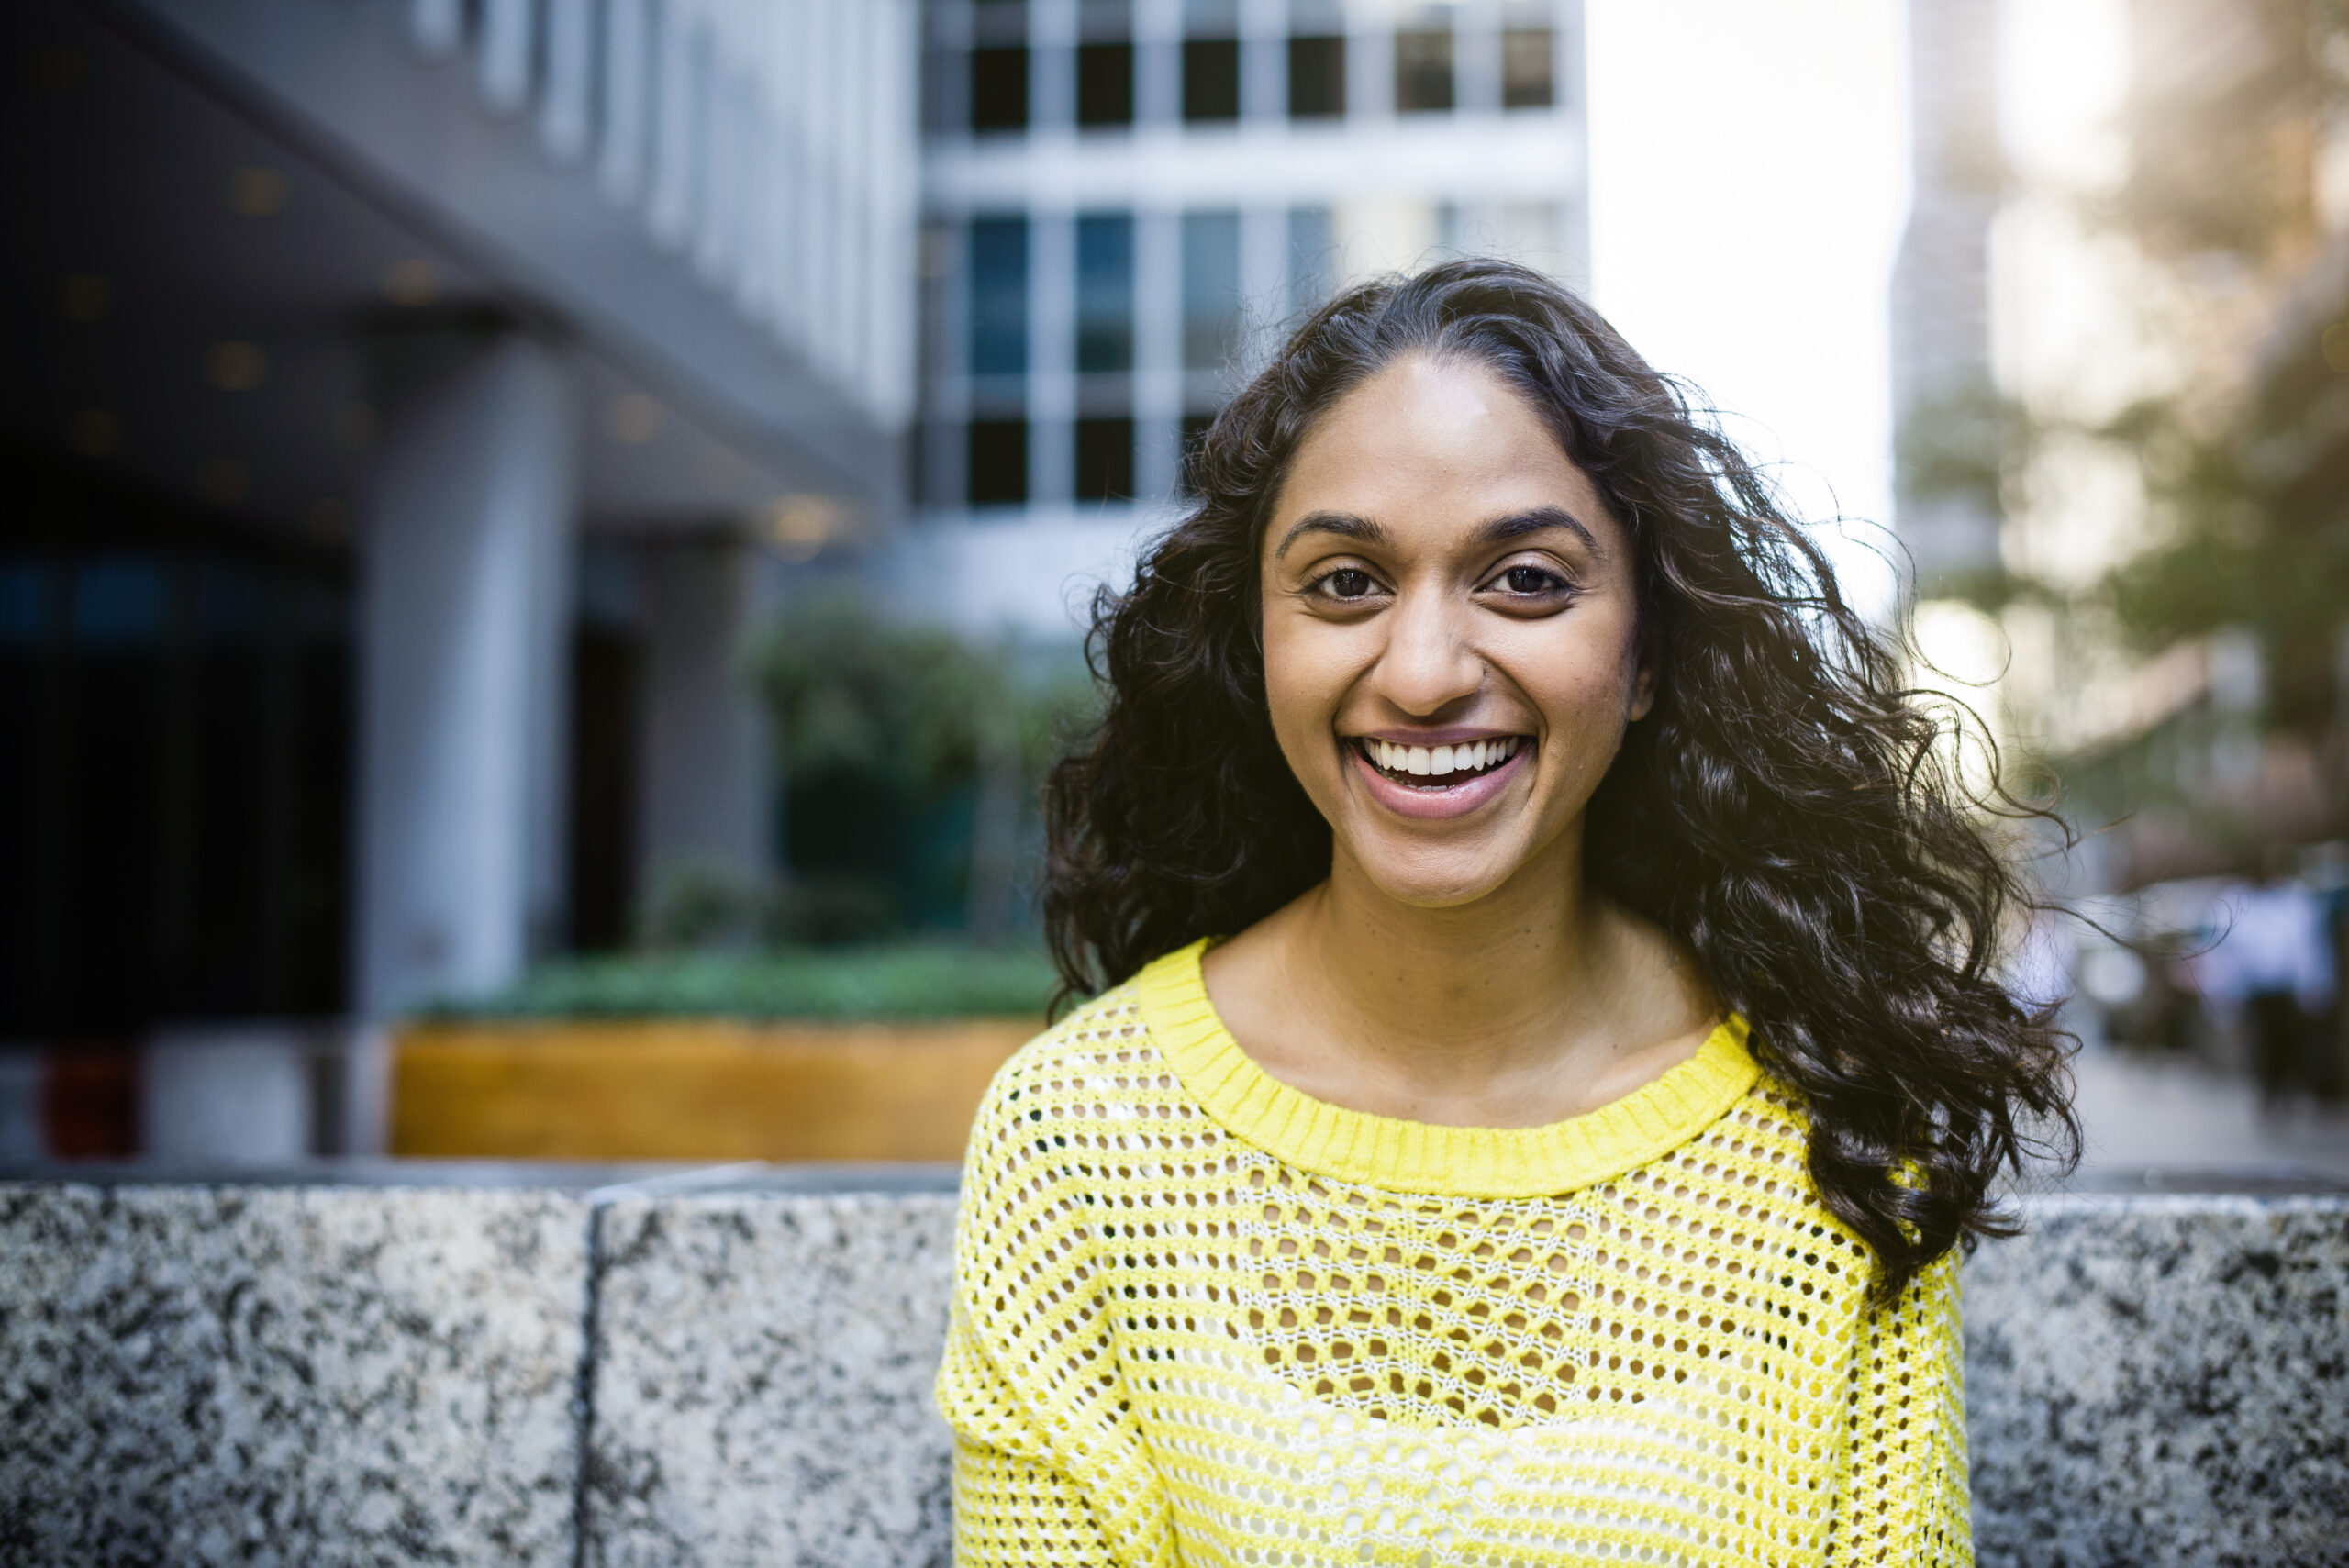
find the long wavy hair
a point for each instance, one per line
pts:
(1787, 808)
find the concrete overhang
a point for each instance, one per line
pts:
(342, 89)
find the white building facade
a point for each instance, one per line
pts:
(1125, 204)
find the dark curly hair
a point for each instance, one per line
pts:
(1787, 808)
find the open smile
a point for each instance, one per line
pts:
(1438, 781)
(1437, 767)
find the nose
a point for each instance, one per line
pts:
(1429, 664)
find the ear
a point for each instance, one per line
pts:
(1645, 677)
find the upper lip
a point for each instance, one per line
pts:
(1455, 736)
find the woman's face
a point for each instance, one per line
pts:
(1450, 637)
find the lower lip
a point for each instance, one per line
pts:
(1445, 800)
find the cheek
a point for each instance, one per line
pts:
(1298, 688)
(1586, 684)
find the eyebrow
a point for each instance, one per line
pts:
(1534, 520)
(1345, 525)
(1496, 530)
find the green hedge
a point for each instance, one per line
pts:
(904, 980)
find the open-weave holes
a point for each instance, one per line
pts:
(1169, 1340)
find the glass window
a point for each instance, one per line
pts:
(1105, 460)
(1104, 293)
(941, 101)
(1210, 289)
(1211, 79)
(999, 296)
(998, 463)
(1194, 436)
(1317, 78)
(1312, 257)
(1528, 74)
(118, 601)
(1423, 71)
(999, 88)
(999, 65)
(1105, 84)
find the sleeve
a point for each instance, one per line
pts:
(1903, 1497)
(1051, 1468)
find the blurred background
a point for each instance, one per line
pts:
(543, 542)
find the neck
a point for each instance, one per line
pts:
(1449, 995)
(1539, 1001)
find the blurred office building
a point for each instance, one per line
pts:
(414, 410)
(1947, 519)
(401, 398)
(1126, 202)
(2121, 330)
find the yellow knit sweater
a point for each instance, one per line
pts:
(1201, 1318)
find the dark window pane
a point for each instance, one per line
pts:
(1317, 78)
(1000, 89)
(1211, 79)
(1104, 293)
(1105, 84)
(1423, 72)
(999, 296)
(1105, 460)
(998, 463)
(1210, 289)
(1526, 75)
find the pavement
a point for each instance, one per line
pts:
(2143, 1114)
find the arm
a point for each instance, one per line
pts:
(1050, 1465)
(1903, 1498)
(1021, 1499)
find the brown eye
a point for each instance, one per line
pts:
(1531, 580)
(1347, 582)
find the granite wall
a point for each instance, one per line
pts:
(625, 1368)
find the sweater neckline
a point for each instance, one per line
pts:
(1423, 1157)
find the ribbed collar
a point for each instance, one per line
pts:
(1419, 1157)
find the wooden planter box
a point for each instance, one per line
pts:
(692, 1088)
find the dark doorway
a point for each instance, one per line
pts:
(606, 675)
(175, 718)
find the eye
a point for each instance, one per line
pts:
(1346, 583)
(1530, 581)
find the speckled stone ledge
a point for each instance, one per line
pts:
(763, 1363)
(2162, 1380)
(415, 1369)
(288, 1374)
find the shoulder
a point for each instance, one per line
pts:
(1753, 1165)
(1754, 1161)
(1049, 1134)
(1084, 1051)
(1770, 1123)
(1050, 1100)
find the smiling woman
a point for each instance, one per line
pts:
(1547, 1049)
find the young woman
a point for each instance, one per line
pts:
(1551, 1051)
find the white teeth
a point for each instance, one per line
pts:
(1441, 762)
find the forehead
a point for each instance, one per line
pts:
(1435, 445)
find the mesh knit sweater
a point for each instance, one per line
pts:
(1201, 1318)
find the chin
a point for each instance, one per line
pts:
(1437, 881)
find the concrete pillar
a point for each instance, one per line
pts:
(708, 775)
(464, 607)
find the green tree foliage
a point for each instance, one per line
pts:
(945, 740)
(2229, 101)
